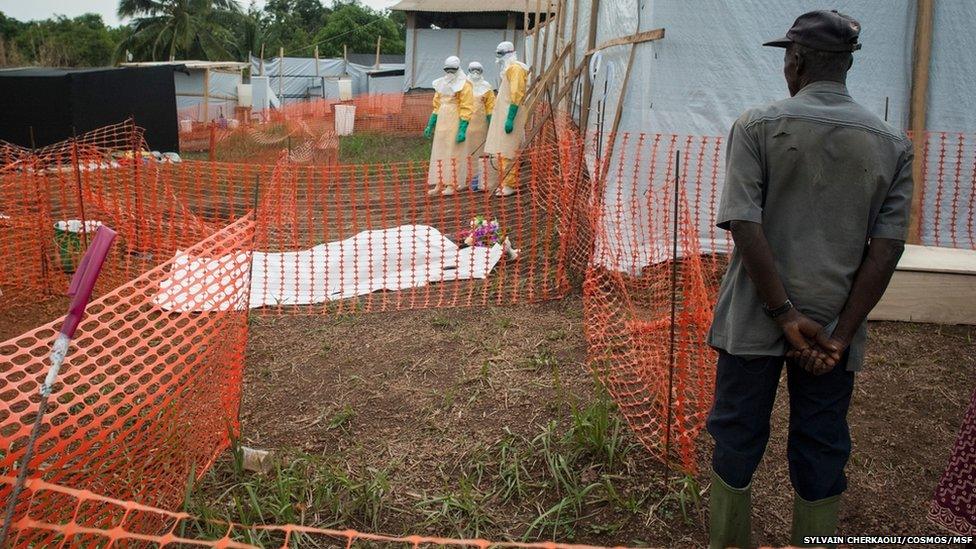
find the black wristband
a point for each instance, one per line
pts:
(778, 311)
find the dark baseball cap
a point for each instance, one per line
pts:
(822, 30)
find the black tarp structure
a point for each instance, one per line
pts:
(59, 102)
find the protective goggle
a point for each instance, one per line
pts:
(450, 70)
(476, 71)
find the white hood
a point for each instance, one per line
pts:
(449, 84)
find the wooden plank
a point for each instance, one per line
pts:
(921, 57)
(640, 37)
(525, 32)
(940, 298)
(931, 259)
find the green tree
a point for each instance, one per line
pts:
(185, 29)
(357, 27)
(83, 41)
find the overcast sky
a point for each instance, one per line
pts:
(26, 10)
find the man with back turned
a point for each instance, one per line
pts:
(817, 197)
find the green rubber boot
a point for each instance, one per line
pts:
(729, 523)
(814, 518)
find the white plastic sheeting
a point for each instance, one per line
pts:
(295, 78)
(427, 49)
(327, 272)
(711, 66)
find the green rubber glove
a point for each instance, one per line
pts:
(462, 131)
(429, 130)
(489, 119)
(510, 122)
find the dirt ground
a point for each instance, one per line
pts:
(426, 397)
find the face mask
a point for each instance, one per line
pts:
(475, 75)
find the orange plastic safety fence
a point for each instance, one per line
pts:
(649, 289)
(308, 129)
(149, 390)
(329, 234)
(58, 516)
(156, 207)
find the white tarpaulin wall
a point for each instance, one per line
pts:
(223, 93)
(327, 272)
(428, 48)
(711, 66)
(296, 78)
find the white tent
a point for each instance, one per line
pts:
(298, 79)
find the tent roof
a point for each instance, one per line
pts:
(460, 5)
(231, 65)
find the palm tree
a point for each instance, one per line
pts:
(169, 29)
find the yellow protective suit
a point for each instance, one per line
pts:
(500, 146)
(484, 104)
(448, 158)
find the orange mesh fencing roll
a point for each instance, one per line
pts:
(149, 390)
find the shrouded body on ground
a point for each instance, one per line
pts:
(448, 127)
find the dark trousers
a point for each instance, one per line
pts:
(819, 440)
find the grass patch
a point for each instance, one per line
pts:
(373, 148)
(572, 479)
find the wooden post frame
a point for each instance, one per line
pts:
(921, 58)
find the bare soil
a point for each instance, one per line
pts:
(427, 395)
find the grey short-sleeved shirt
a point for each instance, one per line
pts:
(822, 175)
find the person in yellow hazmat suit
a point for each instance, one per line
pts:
(484, 104)
(507, 126)
(448, 127)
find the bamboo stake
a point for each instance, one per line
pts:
(379, 40)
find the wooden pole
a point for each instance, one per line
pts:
(587, 84)
(412, 28)
(318, 79)
(510, 27)
(345, 59)
(206, 93)
(379, 40)
(619, 111)
(281, 72)
(922, 55)
(544, 60)
(572, 41)
(535, 39)
(261, 71)
(525, 32)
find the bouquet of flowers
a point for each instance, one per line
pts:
(482, 232)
